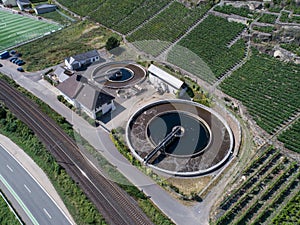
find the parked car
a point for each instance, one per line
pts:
(18, 55)
(18, 60)
(13, 58)
(12, 52)
(20, 69)
(21, 63)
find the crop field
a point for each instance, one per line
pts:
(122, 16)
(271, 180)
(166, 27)
(15, 29)
(267, 18)
(146, 10)
(242, 11)
(125, 15)
(211, 45)
(268, 88)
(290, 137)
(80, 6)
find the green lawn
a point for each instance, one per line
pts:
(15, 29)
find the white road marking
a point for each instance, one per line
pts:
(27, 188)
(47, 213)
(9, 168)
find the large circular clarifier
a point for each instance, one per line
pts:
(179, 137)
(193, 139)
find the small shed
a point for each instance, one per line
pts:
(44, 8)
(164, 81)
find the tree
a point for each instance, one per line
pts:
(2, 113)
(112, 43)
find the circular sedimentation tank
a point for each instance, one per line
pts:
(179, 137)
(118, 75)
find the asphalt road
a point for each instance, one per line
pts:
(38, 207)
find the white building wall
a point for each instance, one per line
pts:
(68, 65)
(158, 83)
(107, 107)
(71, 101)
(9, 2)
(90, 113)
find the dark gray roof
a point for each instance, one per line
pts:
(93, 98)
(71, 86)
(76, 87)
(87, 55)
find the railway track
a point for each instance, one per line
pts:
(111, 201)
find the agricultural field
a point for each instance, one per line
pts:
(278, 5)
(268, 88)
(128, 15)
(111, 12)
(290, 213)
(291, 137)
(212, 46)
(80, 7)
(54, 48)
(268, 183)
(16, 29)
(242, 11)
(166, 27)
(265, 29)
(292, 47)
(267, 18)
(289, 19)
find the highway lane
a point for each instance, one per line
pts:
(32, 198)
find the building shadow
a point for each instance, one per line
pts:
(112, 114)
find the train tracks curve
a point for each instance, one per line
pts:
(112, 202)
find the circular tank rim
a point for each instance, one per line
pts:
(183, 174)
(118, 64)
